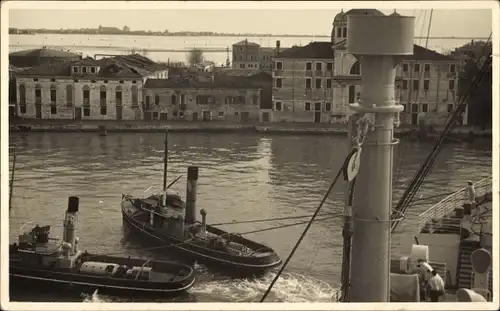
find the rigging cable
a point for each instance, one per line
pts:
(302, 235)
(430, 160)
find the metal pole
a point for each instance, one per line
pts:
(347, 229)
(391, 38)
(11, 188)
(165, 162)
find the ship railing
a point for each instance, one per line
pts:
(435, 214)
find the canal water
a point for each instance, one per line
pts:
(242, 177)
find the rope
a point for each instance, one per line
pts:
(267, 219)
(431, 159)
(302, 235)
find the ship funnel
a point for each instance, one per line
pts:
(71, 222)
(192, 181)
(73, 204)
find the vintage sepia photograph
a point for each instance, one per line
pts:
(249, 152)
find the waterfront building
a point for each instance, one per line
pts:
(317, 82)
(251, 57)
(202, 97)
(88, 89)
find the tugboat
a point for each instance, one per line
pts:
(166, 220)
(45, 262)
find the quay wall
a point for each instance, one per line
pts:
(30, 125)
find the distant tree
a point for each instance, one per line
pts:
(195, 57)
(479, 103)
(125, 29)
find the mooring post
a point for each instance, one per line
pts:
(192, 181)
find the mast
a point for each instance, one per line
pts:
(165, 162)
(391, 39)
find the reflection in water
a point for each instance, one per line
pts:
(245, 176)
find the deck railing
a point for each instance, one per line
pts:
(448, 204)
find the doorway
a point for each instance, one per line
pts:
(119, 112)
(194, 116)
(265, 117)
(207, 116)
(317, 117)
(78, 113)
(244, 116)
(38, 111)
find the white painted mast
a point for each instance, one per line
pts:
(378, 42)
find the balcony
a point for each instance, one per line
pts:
(277, 73)
(118, 102)
(309, 73)
(86, 102)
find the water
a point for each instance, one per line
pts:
(90, 45)
(242, 177)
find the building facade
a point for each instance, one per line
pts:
(317, 82)
(302, 84)
(250, 56)
(201, 98)
(106, 89)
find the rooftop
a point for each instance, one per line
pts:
(245, 42)
(342, 17)
(314, 50)
(44, 53)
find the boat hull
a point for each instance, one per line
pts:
(23, 277)
(237, 266)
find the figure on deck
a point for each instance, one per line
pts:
(436, 285)
(470, 198)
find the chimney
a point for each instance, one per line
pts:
(277, 51)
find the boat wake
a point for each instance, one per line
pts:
(290, 287)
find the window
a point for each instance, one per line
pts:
(22, 108)
(279, 65)
(352, 91)
(279, 83)
(157, 100)
(453, 68)
(339, 32)
(329, 66)
(425, 107)
(84, 69)
(92, 69)
(450, 107)
(416, 85)
(416, 67)
(173, 99)
(427, 67)
(318, 83)
(307, 106)
(148, 102)
(308, 66)
(344, 32)
(242, 66)
(118, 95)
(255, 99)
(53, 94)
(103, 100)
(405, 67)
(38, 94)
(69, 95)
(405, 84)
(230, 100)
(451, 85)
(53, 108)
(22, 94)
(426, 85)
(328, 83)
(86, 96)
(221, 113)
(75, 69)
(277, 106)
(328, 107)
(319, 66)
(355, 69)
(308, 83)
(135, 96)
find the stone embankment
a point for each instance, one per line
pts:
(204, 127)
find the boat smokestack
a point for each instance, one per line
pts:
(71, 223)
(391, 38)
(203, 214)
(192, 181)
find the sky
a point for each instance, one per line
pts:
(465, 22)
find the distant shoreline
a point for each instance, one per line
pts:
(154, 34)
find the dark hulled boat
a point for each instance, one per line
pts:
(167, 220)
(42, 262)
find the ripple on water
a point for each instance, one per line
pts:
(241, 177)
